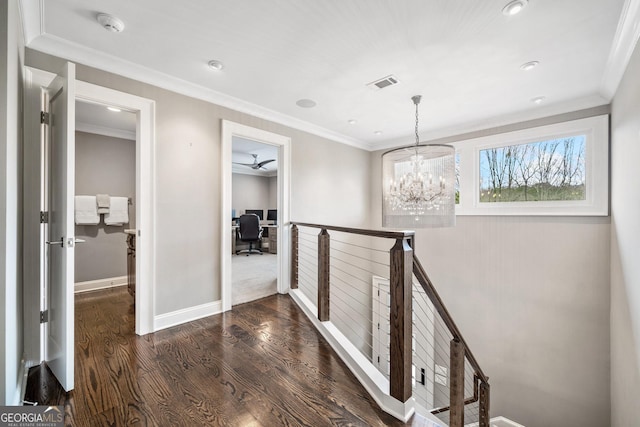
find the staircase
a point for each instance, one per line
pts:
(368, 294)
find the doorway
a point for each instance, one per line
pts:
(144, 110)
(48, 308)
(105, 178)
(254, 255)
(231, 130)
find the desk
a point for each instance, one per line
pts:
(273, 238)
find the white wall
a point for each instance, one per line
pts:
(104, 165)
(330, 182)
(531, 297)
(11, 84)
(250, 192)
(625, 247)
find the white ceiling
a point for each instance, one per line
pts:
(96, 118)
(242, 150)
(463, 57)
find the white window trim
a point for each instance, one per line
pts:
(596, 202)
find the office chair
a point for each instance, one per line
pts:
(250, 231)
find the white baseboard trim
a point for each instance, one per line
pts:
(370, 378)
(498, 422)
(94, 285)
(185, 315)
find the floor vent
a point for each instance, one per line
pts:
(383, 82)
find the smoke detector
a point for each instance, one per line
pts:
(110, 23)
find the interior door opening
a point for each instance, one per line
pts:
(254, 229)
(105, 202)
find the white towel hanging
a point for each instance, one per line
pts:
(118, 211)
(86, 210)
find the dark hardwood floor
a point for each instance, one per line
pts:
(263, 364)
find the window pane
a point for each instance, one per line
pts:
(541, 171)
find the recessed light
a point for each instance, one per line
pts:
(538, 99)
(378, 132)
(514, 7)
(529, 65)
(352, 122)
(110, 23)
(306, 103)
(114, 109)
(215, 65)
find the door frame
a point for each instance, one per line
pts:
(229, 130)
(145, 193)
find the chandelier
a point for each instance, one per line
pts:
(419, 184)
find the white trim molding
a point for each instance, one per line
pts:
(624, 43)
(80, 54)
(283, 143)
(178, 317)
(94, 285)
(145, 192)
(596, 202)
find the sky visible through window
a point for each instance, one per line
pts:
(551, 170)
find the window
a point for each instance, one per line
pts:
(559, 169)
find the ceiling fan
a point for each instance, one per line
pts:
(255, 165)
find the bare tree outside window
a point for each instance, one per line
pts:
(550, 170)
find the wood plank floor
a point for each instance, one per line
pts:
(263, 364)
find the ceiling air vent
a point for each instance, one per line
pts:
(383, 82)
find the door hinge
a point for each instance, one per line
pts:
(44, 217)
(44, 117)
(44, 316)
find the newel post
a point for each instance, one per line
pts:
(456, 386)
(484, 404)
(294, 257)
(323, 275)
(400, 343)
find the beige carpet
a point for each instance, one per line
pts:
(253, 277)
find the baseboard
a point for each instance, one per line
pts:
(94, 285)
(370, 378)
(185, 315)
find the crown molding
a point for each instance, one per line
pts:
(505, 123)
(624, 43)
(32, 14)
(105, 131)
(80, 54)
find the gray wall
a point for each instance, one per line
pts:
(188, 184)
(104, 165)
(531, 297)
(11, 88)
(273, 192)
(625, 246)
(251, 192)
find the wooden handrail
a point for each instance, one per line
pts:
(430, 290)
(361, 231)
(402, 265)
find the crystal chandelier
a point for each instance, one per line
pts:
(419, 184)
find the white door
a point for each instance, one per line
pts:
(61, 240)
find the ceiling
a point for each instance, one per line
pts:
(96, 118)
(242, 150)
(463, 57)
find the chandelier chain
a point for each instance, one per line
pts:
(417, 137)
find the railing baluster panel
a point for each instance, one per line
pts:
(323, 275)
(401, 258)
(294, 257)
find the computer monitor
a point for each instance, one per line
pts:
(258, 212)
(272, 215)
